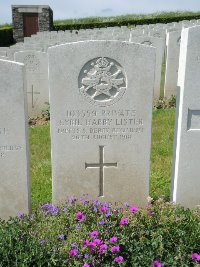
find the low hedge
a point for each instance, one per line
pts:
(6, 33)
(6, 36)
(129, 20)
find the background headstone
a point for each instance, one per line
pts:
(36, 65)
(172, 61)
(186, 167)
(158, 44)
(14, 166)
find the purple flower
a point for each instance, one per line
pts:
(93, 234)
(20, 215)
(113, 239)
(96, 203)
(119, 259)
(73, 252)
(73, 245)
(108, 214)
(101, 222)
(106, 204)
(61, 236)
(42, 242)
(133, 209)
(85, 242)
(196, 257)
(114, 249)
(126, 204)
(78, 227)
(83, 201)
(85, 265)
(80, 216)
(98, 242)
(72, 200)
(123, 221)
(50, 208)
(102, 248)
(65, 209)
(86, 256)
(95, 209)
(102, 210)
(156, 263)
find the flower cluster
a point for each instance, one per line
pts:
(94, 245)
(102, 231)
(50, 209)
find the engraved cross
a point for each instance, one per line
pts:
(101, 166)
(32, 95)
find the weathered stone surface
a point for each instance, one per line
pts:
(101, 111)
(14, 166)
(36, 65)
(186, 167)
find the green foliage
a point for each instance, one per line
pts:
(46, 113)
(6, 26)
(127, 20)
(163, 103)
(6, 36)
(161, 230)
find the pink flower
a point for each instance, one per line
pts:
(119, 259)
(133, 209)
(73, 253)
(93, 234)
(156, 263)
(123, 221)
(86, 242)
(98, 242)
(102, 210)
(102, 248)
(113, 239)
(114, 249)
(92, 245)
(196, 257)
(80, 216)
(85, 265)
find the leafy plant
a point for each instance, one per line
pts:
(163, 103)
(89, 233)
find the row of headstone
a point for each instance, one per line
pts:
(33, 53)
(101, 116)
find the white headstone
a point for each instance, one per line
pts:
(186, 166)
(158, 44)
(172, 61)
(101, 111)
(14, 178)
(36, 65)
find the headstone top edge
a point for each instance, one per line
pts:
(11, 62)
(73, 44)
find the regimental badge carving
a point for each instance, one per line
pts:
(31, 62)
(102, 81)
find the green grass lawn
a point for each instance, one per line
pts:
(161, 158)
